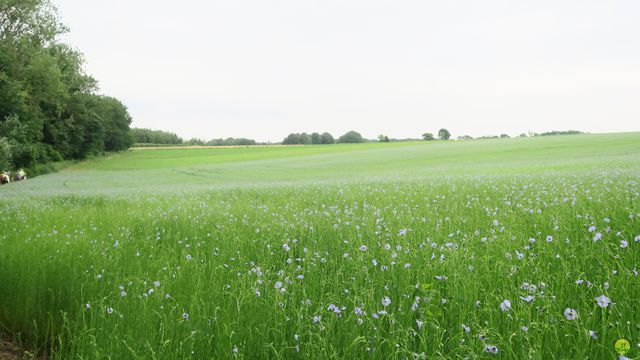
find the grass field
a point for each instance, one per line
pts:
(510, 248)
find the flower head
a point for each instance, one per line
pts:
(491, 349)
(505, 305)
(570, 314)
(528, 298)
(603, 301)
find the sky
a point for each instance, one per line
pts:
(263, 69)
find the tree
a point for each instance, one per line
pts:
(82, 133)
(428, 136)
(315, 138)
(291, 139)
(465, 137)
(327, 138)
(148, 136)
(34, 21)
(444, 134)
(116, 121)
(194, 142)
(504, 136)
(49, 109)
(305, 139)
(350, 137)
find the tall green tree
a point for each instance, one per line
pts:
(315, 138)
(327, 138)
(291, 139)
(444, 134)
(49, 108)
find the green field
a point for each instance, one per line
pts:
(528, 246)
(152, 171)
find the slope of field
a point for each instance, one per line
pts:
(187, 169)
(511, 249)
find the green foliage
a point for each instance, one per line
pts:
(326, 139)
(231, 142)
(444, 134)
(6, 154)
(428, 136)
(194, 142)
(351, 137)
(48, 106)
(291, 139)
(565, 132)
(306, 139)
(148, 136)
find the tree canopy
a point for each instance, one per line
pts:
(148, 136)
(444, 134)
(428, 136)
(49, 107)
(351, 137)
(306, 139)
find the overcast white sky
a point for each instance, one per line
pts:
(263, 69)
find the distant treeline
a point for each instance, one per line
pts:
(531, 134)
(550, 133)
(148, 138)
(49, 107)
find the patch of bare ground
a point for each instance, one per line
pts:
(10, 351)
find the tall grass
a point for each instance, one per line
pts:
(395, 269)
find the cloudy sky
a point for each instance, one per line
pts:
(263, 69)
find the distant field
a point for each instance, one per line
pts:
(179, 169)
(506, 248)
